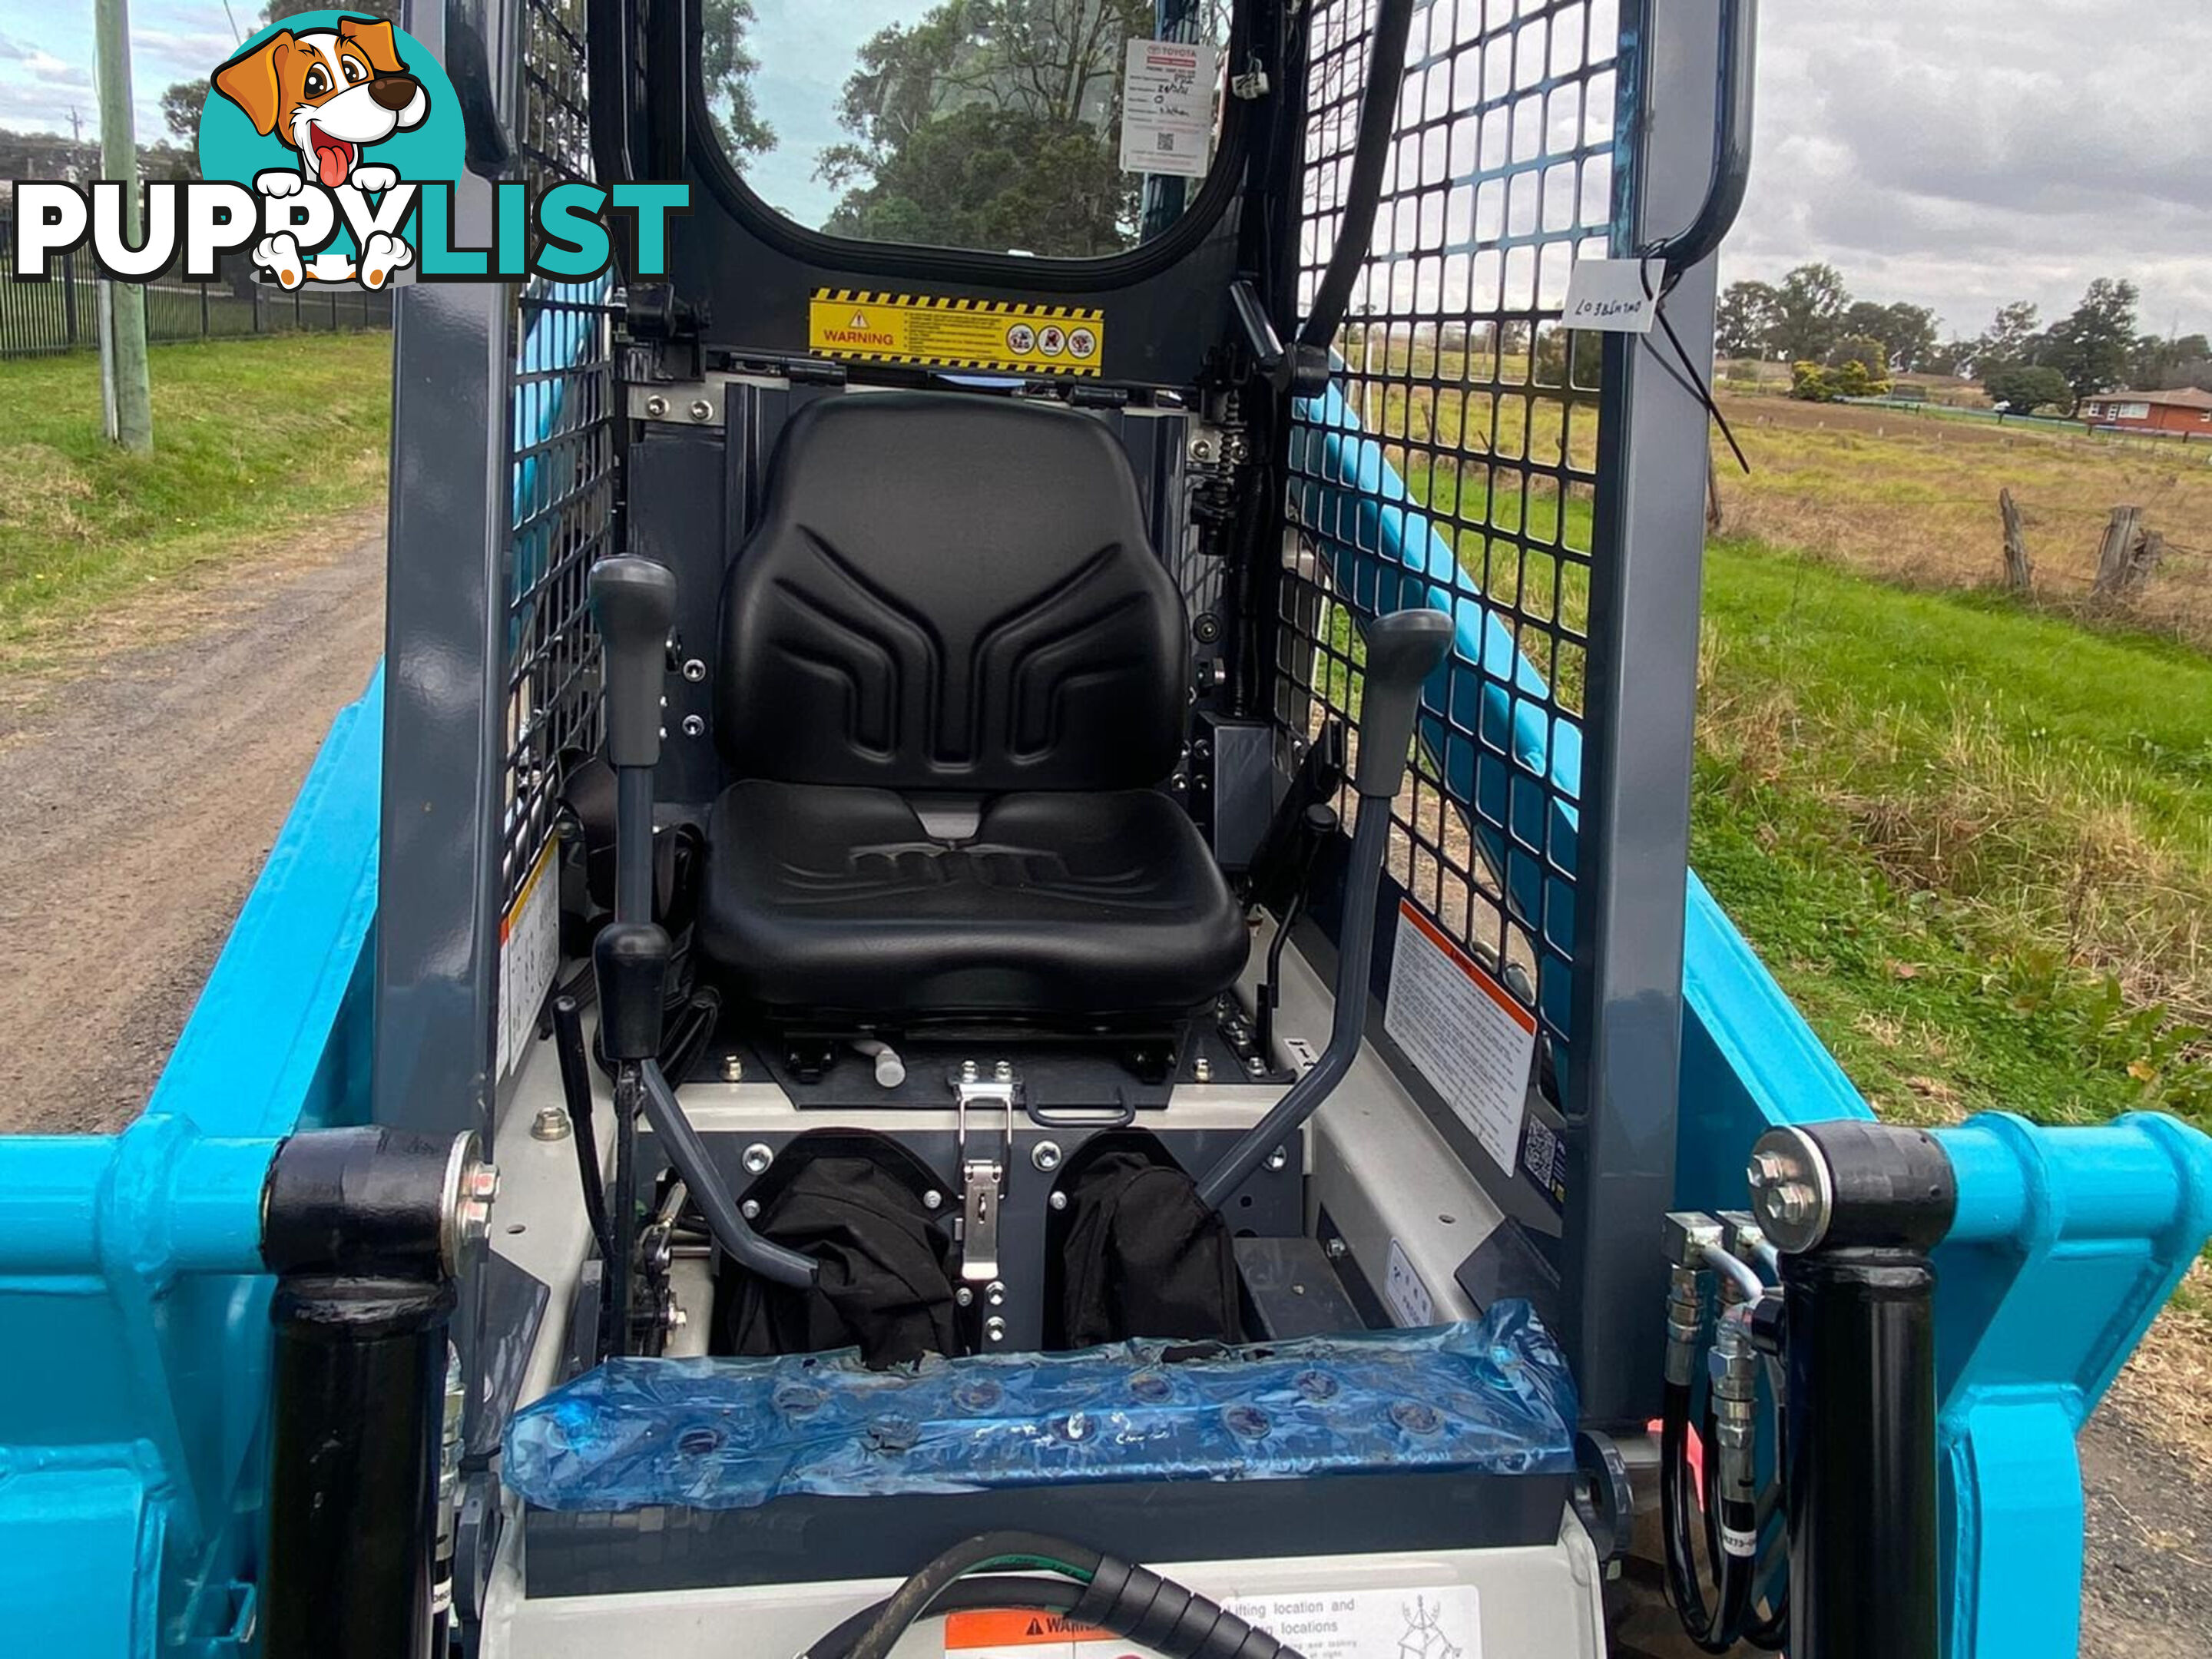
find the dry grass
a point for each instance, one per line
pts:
(1912, 498)
(2169, 1381)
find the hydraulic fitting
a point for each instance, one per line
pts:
(1733, 1377)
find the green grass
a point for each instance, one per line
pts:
(258, 444)
(1973, 842)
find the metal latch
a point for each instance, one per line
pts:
(983, 1174)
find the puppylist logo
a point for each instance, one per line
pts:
(329, 148)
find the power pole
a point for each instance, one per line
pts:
(118, 160)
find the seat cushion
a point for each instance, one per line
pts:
(1066, 908)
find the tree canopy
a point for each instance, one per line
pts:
(991, 123)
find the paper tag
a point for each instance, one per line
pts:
(1426, 1622)
(1167, 108)
(529, 957)
(1402, 1289)
(1608, 295)
(1470, 1038)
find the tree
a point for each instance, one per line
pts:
(1868, 352)
(1744, 326)
(2094, 347)
(991, 123)
(1909, 331)
(2010, 339)
(1811, 383)
(2025, 387)
(274, 9)
(727, 66)
(1812, 301)
(2160, 365)
(1953, 357)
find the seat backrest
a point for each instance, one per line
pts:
(950, 592)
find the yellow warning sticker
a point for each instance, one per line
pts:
(943, 332)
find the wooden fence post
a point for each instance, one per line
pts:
(2116, 551)
(2143, 557)
(2020, 569)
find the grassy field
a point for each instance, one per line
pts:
(257, 442)
(1970, 832)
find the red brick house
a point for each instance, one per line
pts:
(2187, 412)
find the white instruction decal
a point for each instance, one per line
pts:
(529, 957)
(1423, 1622)
(1402, 1289)
(1470, 1038)
(1167, 108)
(1614, 296)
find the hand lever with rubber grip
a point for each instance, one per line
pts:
(633, 605)
(1403, 649)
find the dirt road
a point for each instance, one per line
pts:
(137, 803)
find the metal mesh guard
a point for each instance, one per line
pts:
(560, 400)
(1453, 463)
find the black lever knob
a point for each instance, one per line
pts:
(630, 959)
(1403, 649)
(633, 605)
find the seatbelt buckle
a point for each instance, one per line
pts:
(983, 1170)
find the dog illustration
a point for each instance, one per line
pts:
(331, 94)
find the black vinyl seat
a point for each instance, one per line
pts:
(953, 672)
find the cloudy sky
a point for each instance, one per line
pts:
(1954, 153)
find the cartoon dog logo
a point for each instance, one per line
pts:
(331, 94)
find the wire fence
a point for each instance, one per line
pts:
(63, 313)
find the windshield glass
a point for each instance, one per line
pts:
(1063, 128)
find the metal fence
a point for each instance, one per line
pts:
(62, 314)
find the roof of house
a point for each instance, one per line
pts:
(2187, 396)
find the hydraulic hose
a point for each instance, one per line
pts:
(967, 1594)
(1126, 1601)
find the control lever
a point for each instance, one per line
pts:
(1403, 649)
(633, 604)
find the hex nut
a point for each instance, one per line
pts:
(757, 1159)
(551, 1123)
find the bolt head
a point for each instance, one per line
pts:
(1201, 1070)
(1045, 1155)
(1792, 1203)
(1256, 1065)
(967, 1071)
(964, 1296)
(1003, 1072)
(694, 671)
(677, 1319)
(749, 1209)
(1058, 1200)
(483, 1183)
(694, 726)
(758, 1157)
(551, 1123)
(995, 1294)
(701, 410)
(1278, 1159)
(733, 1068)
(933, 1200)
(656, 407)
(1766, 1167)
(995, 1329)
(1336, 1249)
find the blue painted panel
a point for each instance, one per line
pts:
(130, 1301)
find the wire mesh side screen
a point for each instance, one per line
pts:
(561, 410)
(1453, 462)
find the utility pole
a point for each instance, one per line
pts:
(118, 160)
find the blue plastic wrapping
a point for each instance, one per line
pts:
(1491, 1394)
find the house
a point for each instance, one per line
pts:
(2186, 411)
